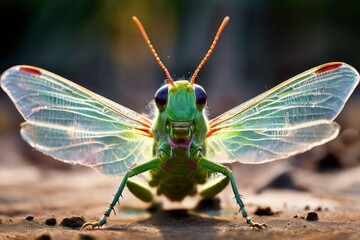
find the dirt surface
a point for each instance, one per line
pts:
(36, 198)
(83, 193)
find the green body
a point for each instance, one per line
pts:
(179, 172)
(179, 148)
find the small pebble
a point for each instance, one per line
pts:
(86, 237)
(50, 221)
(44, 237)
(29, 218)
(312, 216)
(260, 211)
(73, 222)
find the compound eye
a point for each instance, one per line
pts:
(161, 96)
(201, 96)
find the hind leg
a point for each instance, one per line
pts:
(140, 191)
(214, 188)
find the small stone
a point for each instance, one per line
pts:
(86, 237)
(44, 237)
(73, 222)
(50, 221)
(312, 216)
(266, 211)
(29, 218)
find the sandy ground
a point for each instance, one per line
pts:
(84, 193)
(30, 190)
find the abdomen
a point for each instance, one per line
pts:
(177, 178)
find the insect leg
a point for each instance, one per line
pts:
(139, 190)
(135, 171)
(227, 172)
(215, 188)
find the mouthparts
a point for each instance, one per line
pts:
(180, 144)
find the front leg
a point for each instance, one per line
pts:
(135, 171)
(206, 164)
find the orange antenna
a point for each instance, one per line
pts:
(222, 26)
(152, 49)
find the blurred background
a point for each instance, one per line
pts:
(96, 44)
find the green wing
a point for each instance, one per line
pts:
(75, 125)
(291, 118)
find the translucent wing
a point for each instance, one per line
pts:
(291, 118)
(75, 125)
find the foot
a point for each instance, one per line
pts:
(94, 224)
(256, 225)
